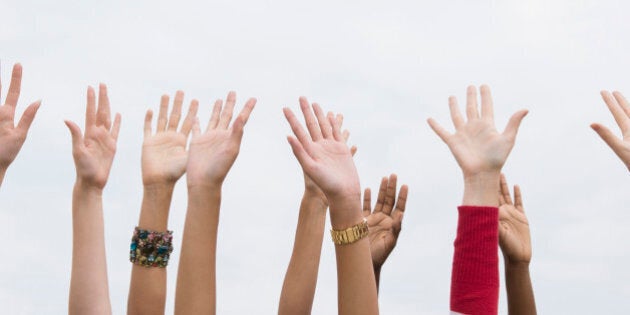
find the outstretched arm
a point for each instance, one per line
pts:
(93, 154)
(620, 109)
(211, 155)
(385, 222)
(12, 137)
(164, 159)
(326, 158)
(516, 246)
(480, 151)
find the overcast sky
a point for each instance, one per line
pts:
(387, 66)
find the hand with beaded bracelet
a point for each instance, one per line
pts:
(326, 159)
(12, 137)
(93, 153)
(164, 158)
(211, 155)
(298, 289)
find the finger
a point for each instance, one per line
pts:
(103, 115)
(190, 118)
(380, 200)
(298, 131)
(116, 127)
(609, 137)
(300, 153)
(353, 150)
(75, 132)
(162, 114)
(335, 127)
(618, 113)
(90, 109)
(176, 112)
(367, 202)
(472, 112)
(398, 214)
(622, 101)
(439, 130)
(456, 115)
(339, 118)
(243, 116)
(14, 87)
(27, 117)
(505, 190)
(515, 121)
(345, 134)
(196, 130)
(214, 117)
(226, 113)
(487, 111)
(148, 117)
(518, 198)
(311, 122)
(390, 194)
(324, 125)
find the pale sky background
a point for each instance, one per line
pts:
(387, 66)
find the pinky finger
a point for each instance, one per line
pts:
(518, 199)
(116, 126)
(147, 123)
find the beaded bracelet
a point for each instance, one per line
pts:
(150, 248)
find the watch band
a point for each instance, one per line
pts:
(351, 234)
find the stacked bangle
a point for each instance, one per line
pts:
(150, 248)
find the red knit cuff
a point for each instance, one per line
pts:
(475, 277)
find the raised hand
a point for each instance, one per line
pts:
(620, 109)
(213, 152)
(476, 144)
(164, 154)
(94, 151)
(12, 137)
(514, 235)
(385, 221)
(323, 154)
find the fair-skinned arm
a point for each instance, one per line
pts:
(12, 136)
(325, 157)
(211, 155)
(300, 281)
(93, 154)
(164, 159)
(481, 151)
(515, 242)
(385, 221)
(620, 109)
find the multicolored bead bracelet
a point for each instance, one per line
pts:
(150, 248)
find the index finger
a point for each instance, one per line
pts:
(615, 109)
(14, 87)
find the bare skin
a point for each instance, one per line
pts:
(620, 109)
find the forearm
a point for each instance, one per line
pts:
(89, 292)
(196, 277)
(2, 172)
(147, 291)
(355, 273)
(520, 294)
(298, 289)
(377, 277)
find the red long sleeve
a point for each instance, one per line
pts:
(475, 277)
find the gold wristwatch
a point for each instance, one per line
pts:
(351, 234)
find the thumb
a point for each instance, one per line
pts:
(75, 132)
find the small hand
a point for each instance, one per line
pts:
(476, 144)
(94, 152)
(323, 154)
(385, 222)
(164, 154)
(620, 109)
(213, 152)
(12, 137)
(514, 235)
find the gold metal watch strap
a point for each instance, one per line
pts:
(351, 234)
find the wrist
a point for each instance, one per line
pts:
(516, 264)
(317, 195)
(159, 187)
(345, 211)
(87, 187)
(481, 189)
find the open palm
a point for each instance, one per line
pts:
(514, 236)
(620, 109)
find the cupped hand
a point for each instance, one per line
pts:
(213, 152)
(164, 154)
(476, 144)
(323, 153)
(94, 151)
(12, 137)
(385, 221)
(514, 237)
(620, 109)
